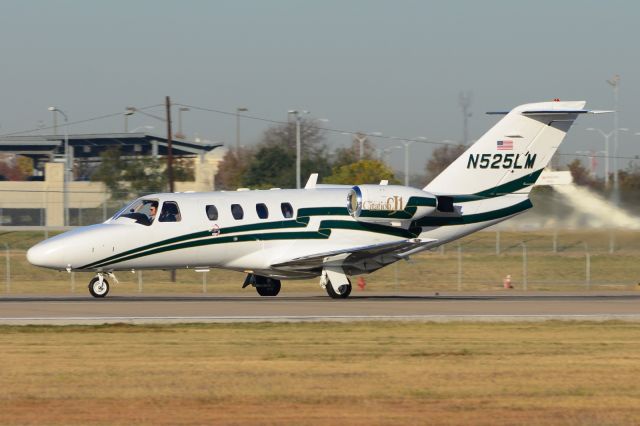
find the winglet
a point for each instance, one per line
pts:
(313, 180)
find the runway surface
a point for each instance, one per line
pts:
(21, 310)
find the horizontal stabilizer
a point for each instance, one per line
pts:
(554, 112)
(552, 178)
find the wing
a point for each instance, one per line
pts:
(383, 253)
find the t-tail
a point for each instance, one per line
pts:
(510, 157)
(491, 181)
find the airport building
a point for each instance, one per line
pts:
(41, 199)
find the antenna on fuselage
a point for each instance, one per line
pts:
(313, 180)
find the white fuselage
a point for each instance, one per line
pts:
(319, 223)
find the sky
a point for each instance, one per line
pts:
(395, 67)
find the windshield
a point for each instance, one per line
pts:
(143, 211)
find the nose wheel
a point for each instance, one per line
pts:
(99, 286)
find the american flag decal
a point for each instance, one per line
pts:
(505, 145)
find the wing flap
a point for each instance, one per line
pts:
(353, 254)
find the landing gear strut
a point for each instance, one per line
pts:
(99, 286)
(265, 286)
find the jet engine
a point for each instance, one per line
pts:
(386, 203)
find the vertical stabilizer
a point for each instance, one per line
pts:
(510, 157)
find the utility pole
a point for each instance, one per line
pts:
(169, 145)
(170, 161)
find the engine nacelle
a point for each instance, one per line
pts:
(385, 203)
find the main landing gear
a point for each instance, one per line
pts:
(265, 286)
(336, 283)
(99, 286)
(343, 291)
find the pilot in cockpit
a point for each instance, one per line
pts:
(153, 209)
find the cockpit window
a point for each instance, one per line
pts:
(143, 211)
(170, 212)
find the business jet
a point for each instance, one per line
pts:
(328, 231)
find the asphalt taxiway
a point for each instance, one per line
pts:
(21, 310)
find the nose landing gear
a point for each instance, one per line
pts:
(99, 286)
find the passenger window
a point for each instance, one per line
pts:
(236, 211)
(212, 212)
(287, 210)
(170, 212)
(262, 210)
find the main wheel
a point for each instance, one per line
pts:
(98, 290)
(343, 291)
(268, 287)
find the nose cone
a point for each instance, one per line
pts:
(48, 254)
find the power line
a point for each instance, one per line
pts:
(352, 132)
(327, 129)
(267, 120)
(71, 123)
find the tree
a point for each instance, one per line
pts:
(582, 176)
(440, 159)
(344, 156)
(630, 178)
(233, 168)
(138, 175)
(361, 172)
(15, 167)
(273, 162)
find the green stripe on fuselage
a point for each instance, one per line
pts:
(474, 218)
(320, 235)
(504, 189)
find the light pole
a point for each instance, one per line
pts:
(65, 175)
(406, 161)
(238, 111)
(615, 84)
(606, 137)
(129, 111)
(360, 138)
(298, 143)
(180, 111)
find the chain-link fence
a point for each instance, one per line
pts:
(490, 260)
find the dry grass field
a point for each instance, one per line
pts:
(558, 373)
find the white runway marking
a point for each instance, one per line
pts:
(310, 318)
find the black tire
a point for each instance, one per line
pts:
(344, 291)
(268, 287)
(96, 290)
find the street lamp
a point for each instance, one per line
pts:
(606, 137)
(129, 111)
(65, 175)
(298, 143)
(180, 111)
(238, 111)
(406, 161)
